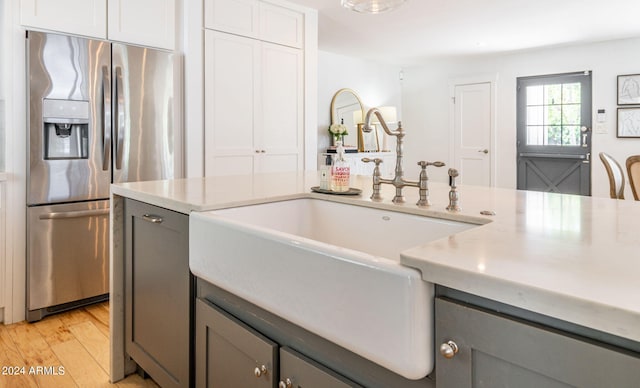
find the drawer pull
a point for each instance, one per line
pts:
(153, 219)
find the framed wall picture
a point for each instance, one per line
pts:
(629, 122)
(629, 89)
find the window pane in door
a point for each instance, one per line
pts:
(553, 135)
(553, 94)
(571, 93)
(553, 115)
(571, 114)
(535, 115)
(535, 135)
(535, 95)
(571, 135)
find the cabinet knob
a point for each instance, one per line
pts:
(449, 349)
(285, 383)
(260, 371)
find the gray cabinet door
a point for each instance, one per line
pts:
(497, 351)
(298, 371)
(230, 353)
(158, 292)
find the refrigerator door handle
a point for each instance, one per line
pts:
(73, 214)
(119, 121)
(106, 124)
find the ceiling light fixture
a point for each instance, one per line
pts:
(372, 6)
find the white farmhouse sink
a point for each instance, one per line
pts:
(331, 268)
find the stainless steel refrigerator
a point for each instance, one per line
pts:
(99, 112)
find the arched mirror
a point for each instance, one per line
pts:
(346, 108)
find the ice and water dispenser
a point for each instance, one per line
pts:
(66, 129)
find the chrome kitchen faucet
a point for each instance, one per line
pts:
(398, 181)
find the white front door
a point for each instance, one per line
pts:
(473, 121)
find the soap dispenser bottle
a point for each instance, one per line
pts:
(340, 170)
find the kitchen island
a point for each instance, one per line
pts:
(570, 262)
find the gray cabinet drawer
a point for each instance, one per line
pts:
(498, 351)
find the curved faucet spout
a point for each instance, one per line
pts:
(367, 123)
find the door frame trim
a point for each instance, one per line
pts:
(492, 80)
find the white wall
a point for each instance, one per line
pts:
(13, 58)
(3, 75)
(426, 101)
(376, 84)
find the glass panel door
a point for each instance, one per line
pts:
(554, 133)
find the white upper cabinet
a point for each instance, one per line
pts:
(79, 17)
(254, 86)
(281, 25)
(141, 22)
(255, 19)
(240, 17)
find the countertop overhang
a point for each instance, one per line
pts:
(569, 257)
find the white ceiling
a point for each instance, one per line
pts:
(421, 30)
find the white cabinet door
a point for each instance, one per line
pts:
(79, 17)
(234, 16)
(281, 134)
(231, 100)
(143, 22)
(281, 25)
(255, 19)
(253, 106)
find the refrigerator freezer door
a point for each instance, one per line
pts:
(67, 253)
(147, 116)
(69, 87)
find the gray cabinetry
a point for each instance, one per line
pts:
(298, 371)
(158, 291)
(494, 350)
(230, 353)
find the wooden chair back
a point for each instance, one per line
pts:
(616, 176)
(633, 170)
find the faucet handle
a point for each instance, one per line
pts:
(375, 195)
(377, 161)
(424, 164)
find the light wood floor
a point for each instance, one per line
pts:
(76, 341)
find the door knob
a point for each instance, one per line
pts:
(285, 383)
(484, 151)
(449, 349)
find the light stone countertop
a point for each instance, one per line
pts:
(569, 257)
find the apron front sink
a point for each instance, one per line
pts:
(331, 268)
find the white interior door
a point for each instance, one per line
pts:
(473, 121)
